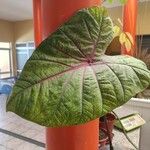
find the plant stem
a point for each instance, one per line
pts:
(108, 133)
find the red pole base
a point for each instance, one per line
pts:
(80, 137)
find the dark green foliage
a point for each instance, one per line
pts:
(69, 80)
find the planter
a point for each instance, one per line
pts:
(142, 106)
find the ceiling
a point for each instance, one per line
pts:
(16, 10)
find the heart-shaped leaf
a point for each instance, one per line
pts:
(69, 80)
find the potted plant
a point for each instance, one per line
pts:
(69, 80)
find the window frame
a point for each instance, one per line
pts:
(25, 46)
(10, 59)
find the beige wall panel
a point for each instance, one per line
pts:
(143, 21)
(23, 31)
(6, 31)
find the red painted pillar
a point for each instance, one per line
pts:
(129, 22)
(79, 137)
(54, 13)
(37, 9)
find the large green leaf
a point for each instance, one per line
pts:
(69, 80)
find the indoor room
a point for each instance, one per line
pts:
(74, 75)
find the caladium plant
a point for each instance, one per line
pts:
(69, 80)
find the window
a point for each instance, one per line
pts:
(5, 60)
(143, 42)
(24, 51)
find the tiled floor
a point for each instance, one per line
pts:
(13, 123)
(19, 134)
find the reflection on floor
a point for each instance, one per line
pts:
(19, 134)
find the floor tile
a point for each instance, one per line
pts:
(14, 143)
(4, 138)
(40, 137)
(30, 133)
(4, 148)
(27, 146)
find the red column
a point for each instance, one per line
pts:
(37, 21)
(79, 137)
(129, 22)
(56, 12)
